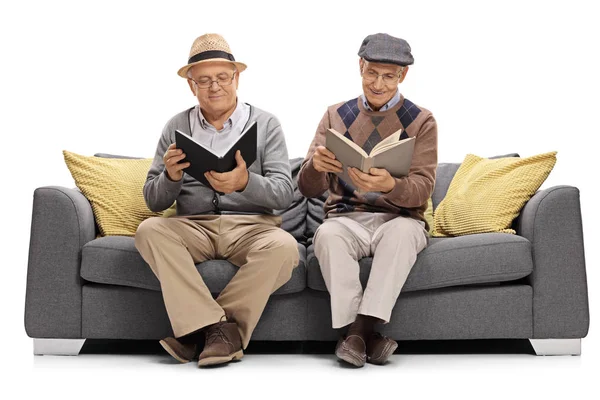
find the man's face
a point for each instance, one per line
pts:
(220, 96)
(380, 81)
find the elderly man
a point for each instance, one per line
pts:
(233, 220)
(376, 214)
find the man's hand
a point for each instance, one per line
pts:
(324, 161)
(171, 158)
(229, 182)
(377, 180)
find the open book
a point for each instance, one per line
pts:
(203, 159)
(393, 154)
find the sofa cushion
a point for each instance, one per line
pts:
(464, 260)
(114, 260)
(294, 217)
(315, 213)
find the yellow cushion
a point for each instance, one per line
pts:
(429, 215)
(113, 187)
(486, 195)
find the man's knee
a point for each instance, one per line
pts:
(148, 231)
(328, 234)
(284, 242)
(402, 230)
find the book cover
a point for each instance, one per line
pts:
(203, 159)
(391, 153)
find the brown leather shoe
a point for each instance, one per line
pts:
(222, 344)
(352, 349)
(380, 348)
(183, 353)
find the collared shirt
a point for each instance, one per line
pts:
(219, 140)
(393, 101)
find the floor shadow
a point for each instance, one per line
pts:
(483, 346)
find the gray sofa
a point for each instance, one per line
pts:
(486, 286)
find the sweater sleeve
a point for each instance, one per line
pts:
(311, 182)
(415, 189)
(274, 188)
(159, 190)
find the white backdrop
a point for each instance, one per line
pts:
(100, 76)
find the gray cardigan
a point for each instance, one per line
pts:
(269, 184)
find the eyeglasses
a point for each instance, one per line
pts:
(223, 79)
(371, 76)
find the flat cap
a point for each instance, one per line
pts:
(386, 49)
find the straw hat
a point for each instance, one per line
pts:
(209, 47)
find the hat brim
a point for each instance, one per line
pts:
(184, 70)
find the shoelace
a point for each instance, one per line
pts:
(215, 334)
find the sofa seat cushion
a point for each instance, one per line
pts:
(464, 260)
(114, 260)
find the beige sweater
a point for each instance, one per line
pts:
(367, 128)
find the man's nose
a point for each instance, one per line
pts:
(214, 86)
(378, 84)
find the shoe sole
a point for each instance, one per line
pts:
(350, 358)
(221, 360)
(172, 352)
(388, 350)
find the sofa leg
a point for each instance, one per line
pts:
(57, 347)
(556, 347)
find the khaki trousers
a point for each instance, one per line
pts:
(393, 241)
(265, 254)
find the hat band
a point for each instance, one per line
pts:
(205, 55)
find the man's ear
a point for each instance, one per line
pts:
(361, 64)
(191, 83)
(404, 72)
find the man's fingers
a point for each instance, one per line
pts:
(326, 152)
(355, 179)
(219, 176)
(170, 153)
(213, 182)
(361, 175)
(333, 163)
(179, 167)
(240, 160)
(175, 159)
(329, 166)
(378, 172)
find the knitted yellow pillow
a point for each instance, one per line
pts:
(486, 195)
(428, 214)
(113, 187)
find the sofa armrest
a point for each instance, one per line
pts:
(62, 222)
(551, 221)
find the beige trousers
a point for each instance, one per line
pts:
(265, 254)
(393, 241)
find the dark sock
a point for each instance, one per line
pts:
(363, 326)
(192, 338)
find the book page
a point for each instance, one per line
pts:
(380, 149)
(236, 140)
(393, 138)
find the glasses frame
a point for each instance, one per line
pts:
(369, 80)
(215, 80)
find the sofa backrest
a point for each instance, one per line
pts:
(294, 217)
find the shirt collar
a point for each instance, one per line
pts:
(393, 101)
